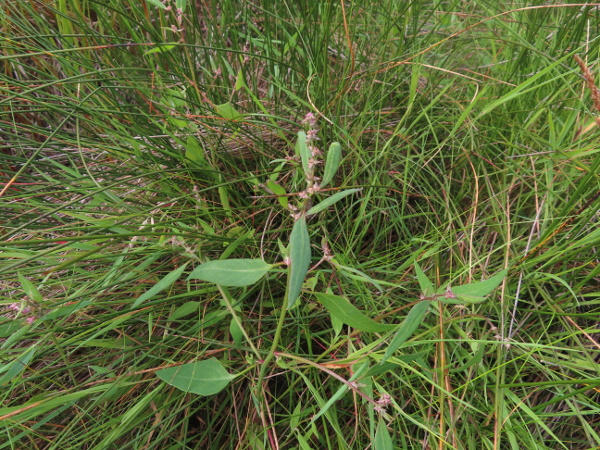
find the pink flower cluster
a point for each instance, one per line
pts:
(26, 311)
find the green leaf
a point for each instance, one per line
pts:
(383, 440)
(299, 258)
(227, 111)
(9, 327)
(331, 200)
(160, 48)
(407, 328)
(194, 152)
(473, 292)
(302, 150)
(202, 377)
(236, 333)
(15, 367)
(231, 272)
(279, 192)
(30, 289)
(163, 284)
(343, 310)
(184, 310)
(426, 286)
(157, 3)
(480, 288)
(181, 4)
(332, 163)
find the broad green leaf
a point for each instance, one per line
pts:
(236, 333)
(331, 200)
(160, 48)
(227, 111)
(343, 310)
(426, 286)
(407, 328)
(194, 152)
(299, 258)
(231, 272)
(181, 4)
(163, 284)
(9, 327)
(480, 288)
(332, 163)
(15, 367)
(157, 3)
(206, 377)
(302, 150)
(30, 289)
(279, 192)
(184, 310)
(383, 440)
(239, 81)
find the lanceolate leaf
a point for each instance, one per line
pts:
(407, 328)
(163, 284)
(332, 163)
(202, 377)
(331, 200)
(300, 259)
(228, 111)
(279, 192)
(231, 272)
(426, 286)
(480, 288)
(473, 292)
(383, 440)
(302, 150)
(343, 310)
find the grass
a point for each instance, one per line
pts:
(137, 144)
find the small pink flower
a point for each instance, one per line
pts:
(311, 135)
(310, 120)
(313, 189)
(315, 152)
(312, 162)
(30, 320)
